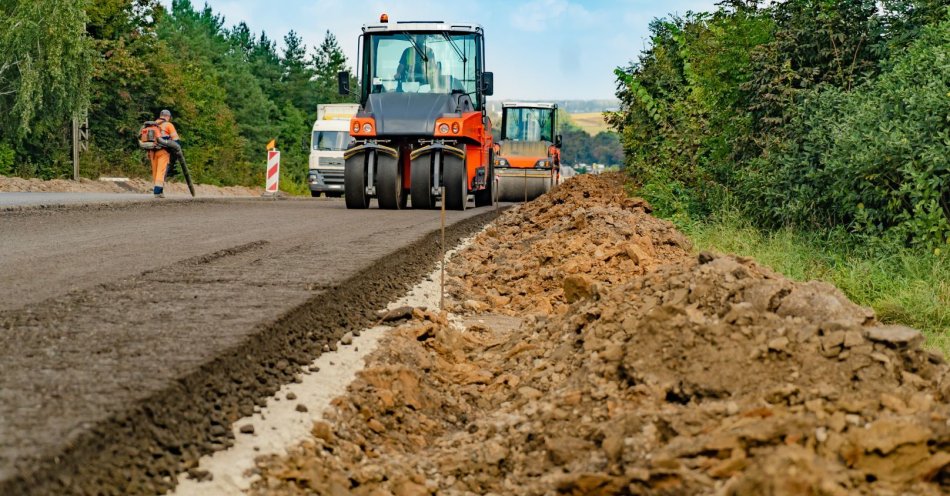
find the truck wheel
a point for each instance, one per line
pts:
(389, 185)
(354, 181)
(456, 187)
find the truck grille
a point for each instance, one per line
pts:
(331, 176)
(331, 162)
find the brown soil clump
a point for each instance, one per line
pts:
(709, 375)
(580, 238)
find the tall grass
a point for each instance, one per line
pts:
(903, 285)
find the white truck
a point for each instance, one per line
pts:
(330, 137)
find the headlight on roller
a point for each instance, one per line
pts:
(501, 162)
(367, 127)
(443, 128)
(542, 163)
(455, 128)
(356, 127)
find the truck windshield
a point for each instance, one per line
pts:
(529, 124)
(330, 140)
(422, 63)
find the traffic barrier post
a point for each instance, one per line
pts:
(273, 172)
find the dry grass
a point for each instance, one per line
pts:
(592, 122)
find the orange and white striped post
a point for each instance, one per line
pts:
(273, 169)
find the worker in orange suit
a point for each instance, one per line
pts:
(161, 158)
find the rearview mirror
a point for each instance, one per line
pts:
(488, 83)
(343, 78)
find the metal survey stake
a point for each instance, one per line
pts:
(442, 276)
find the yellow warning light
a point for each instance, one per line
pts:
(384, 18)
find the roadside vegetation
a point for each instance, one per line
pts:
(581, 146)
(813, 136)
(903, 285)
(119, 62)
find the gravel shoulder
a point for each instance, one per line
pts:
(638, 367)
(134, 335)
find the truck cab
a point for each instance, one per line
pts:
(329, 139)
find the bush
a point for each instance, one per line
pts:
(874, 159)
(6, 160)
(812, 114)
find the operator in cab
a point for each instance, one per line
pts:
(415, 62)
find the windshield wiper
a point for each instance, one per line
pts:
(456, 47)
(418, 50)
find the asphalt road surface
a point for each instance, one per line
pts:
(132, 334)
(8, 200)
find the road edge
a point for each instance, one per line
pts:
(142, 447)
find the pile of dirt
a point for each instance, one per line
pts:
(709, 375)
(586, 232)
(20, 185)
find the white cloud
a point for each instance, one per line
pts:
(541, 15)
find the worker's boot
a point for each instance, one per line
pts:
(159, 192)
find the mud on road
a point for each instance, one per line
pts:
(133, 336)
(638, 367)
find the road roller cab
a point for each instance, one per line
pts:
(527, 158)
(422, 123)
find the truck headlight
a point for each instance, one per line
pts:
(501, 162)
(542, 163)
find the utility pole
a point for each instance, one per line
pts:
(80, 143)
(75, 148)
(80, 133)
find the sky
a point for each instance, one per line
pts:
(538, 49)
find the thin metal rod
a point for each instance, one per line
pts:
(442, 281)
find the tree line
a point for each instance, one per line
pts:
(580, 147)
(808, 113)
(119, 62)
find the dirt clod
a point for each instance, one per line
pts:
(200, 475)
(400, 313)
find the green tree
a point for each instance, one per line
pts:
(296, 75)
(45, 72)
(127, 76)
(327, 62)
(805, 112)
(121, 61)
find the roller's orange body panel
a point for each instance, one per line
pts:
(477, 137)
